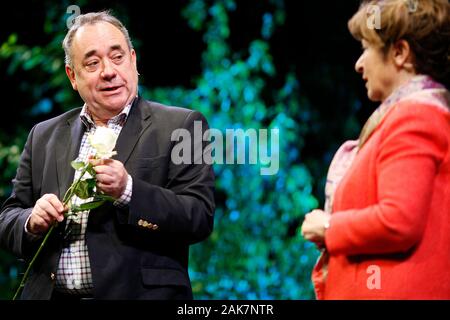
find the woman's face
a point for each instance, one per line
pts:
(378, 71)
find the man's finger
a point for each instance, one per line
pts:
(96, 162)
(102, 169)
(40, 223)
(104, 187)
(49, 210)
(104, 178)
(54, 201)
(41, 214)
(101, 162)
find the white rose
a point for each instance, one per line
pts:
(103, 140)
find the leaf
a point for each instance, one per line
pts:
(90, 170)
(91, 205)
(92, 183)
(77, 165)
(85, 188)
(12, 39)
(104, 197)
(88, 206)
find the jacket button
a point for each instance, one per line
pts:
(52, 276)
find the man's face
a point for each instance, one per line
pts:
(104, 68)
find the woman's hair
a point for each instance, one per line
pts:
(424, 24)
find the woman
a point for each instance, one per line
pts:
(388, 234)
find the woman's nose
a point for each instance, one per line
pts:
(359, 65)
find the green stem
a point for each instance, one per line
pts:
(69, 193)
(67, 196)
(25, 276)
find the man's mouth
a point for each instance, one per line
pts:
(111, 88)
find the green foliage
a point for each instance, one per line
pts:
(255, 251)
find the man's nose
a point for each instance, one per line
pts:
(108, 71)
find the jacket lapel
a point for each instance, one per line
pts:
(138, 120)
(67, 148)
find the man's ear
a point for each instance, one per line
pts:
(71, 75)
(403, 55)
(133, 58)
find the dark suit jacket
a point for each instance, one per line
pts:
(128, 260)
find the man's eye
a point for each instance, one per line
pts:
(118, 57)
(92, 63)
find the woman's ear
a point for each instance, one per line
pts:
(403, 55)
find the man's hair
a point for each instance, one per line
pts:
(424, 24)
(90, 19)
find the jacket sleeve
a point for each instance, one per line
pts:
(185, 206)
(413, 144)
(18, 207)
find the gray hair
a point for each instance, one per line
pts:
(86, 19)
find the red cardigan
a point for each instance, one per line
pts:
(391, 212)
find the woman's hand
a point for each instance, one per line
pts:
(314, 226)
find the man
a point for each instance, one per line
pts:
(136, 247)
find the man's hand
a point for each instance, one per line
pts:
(313, 228)
(111, 176)
(46, 211)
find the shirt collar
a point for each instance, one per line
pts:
(120, 119)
